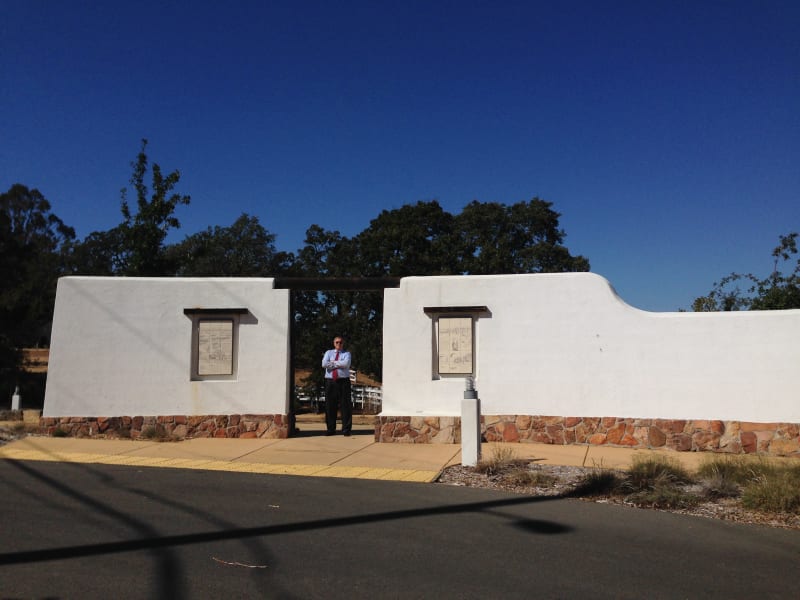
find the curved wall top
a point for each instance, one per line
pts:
(566, 344)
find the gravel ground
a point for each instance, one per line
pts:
(565, 479)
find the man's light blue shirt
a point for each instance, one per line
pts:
(341, 366)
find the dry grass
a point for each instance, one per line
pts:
(524, 476)
(157, 433)
(501, 458)
(737, 488)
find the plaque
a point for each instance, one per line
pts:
(455, 345)
(215, 347)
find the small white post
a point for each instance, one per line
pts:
(15, 399)
(470, 426)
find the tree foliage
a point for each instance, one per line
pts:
(34, 251)
(412, 240)
(35, 248)
(521, 238)
(776, 291)
(143, 232)
(244, 249)
(484, 239)
(101, 253)
(136, 247)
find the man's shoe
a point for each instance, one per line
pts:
(330, 433)
(346, 434)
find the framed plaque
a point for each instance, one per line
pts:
(215, 342)
(214, 347)
(455, 345)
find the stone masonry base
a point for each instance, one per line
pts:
(173, 426)
(734, 437)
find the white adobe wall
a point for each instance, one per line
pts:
(122, 347)
(567, 345)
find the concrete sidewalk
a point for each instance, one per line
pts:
(311, 453)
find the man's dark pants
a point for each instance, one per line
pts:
(337, 395)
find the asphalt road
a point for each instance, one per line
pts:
(94, 531)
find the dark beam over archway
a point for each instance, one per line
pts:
(319, 284)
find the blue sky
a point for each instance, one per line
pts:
(667, 134)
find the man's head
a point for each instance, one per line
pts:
(338, 342)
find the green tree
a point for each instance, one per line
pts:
(245, 248)
(522, 238)
(326, 254)
(136, 247)
(412, 240)
(142, 233)
(35, 248)
(486, 238)
(776, 291)
(101, 253)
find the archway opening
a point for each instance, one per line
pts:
(319, 309)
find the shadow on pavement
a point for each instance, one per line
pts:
(164, 543)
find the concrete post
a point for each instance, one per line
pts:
(470, 426)
(15, 399)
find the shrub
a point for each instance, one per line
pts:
(523, 476)
(154, 433)
(598, 482)
(664, 494)
(776, 489)
(719, 486)
(648, 472)
(737, 469)
(502, 457)
(722, 476)
(657, 481)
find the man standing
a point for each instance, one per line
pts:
(336, 363)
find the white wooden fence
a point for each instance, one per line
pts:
(366, 398)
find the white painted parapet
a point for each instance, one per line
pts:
(566, 344)
(123, 346)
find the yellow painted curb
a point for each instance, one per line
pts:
(382, 474)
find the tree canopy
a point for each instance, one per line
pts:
(411, 240)
(483, 239)
(143, 232)
(777, 291)
(34, 251)
(521, 238)
(245, 248)
(136, 247)
(35, 248)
